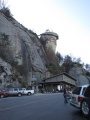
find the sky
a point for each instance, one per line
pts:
(70, 19)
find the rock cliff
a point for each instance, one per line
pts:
(80, 75)
(23, 59)
(23, 50)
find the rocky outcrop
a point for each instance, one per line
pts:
(5, 73)
(25, 47)
(80, 75)
(49, 39)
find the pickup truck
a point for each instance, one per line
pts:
(19, 92)
(27, 92)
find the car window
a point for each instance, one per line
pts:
(87, 92)
(20, 88)
(15, 89)
(83, 90)
(76, 90)
(10, 89)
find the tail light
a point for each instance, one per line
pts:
(80, 99)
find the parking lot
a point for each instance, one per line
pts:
(38, 107)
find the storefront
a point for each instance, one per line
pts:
(57, 82)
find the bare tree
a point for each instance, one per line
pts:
(5, 9)
(2, 4)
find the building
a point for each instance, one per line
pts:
(57, 82)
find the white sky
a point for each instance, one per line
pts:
(70, 19)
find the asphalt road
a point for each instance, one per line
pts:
(38, 107)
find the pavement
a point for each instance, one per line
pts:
(45, 93)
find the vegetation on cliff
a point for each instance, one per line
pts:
(57, 63)
(4, 9)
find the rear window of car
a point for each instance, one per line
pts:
(76, 90)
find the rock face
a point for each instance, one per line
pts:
(50, 40)
(23, 58)
(79, 74)
(26, 49)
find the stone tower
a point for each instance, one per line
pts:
(49, 39)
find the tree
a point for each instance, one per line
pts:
(4, 9)
(2, 4)
(87, 66)
(5, 48)
(59, 56)
(67, 63)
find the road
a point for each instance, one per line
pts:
(38, 107)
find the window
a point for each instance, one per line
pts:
(20, 88)
(83, 90)
(87, 92)
(15, 89)
(10, 89)
(77, 90)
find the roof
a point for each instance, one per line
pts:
(64, 73)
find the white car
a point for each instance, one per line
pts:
(77, 96)
(85, 106)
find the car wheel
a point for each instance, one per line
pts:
(29, 93)
(2, 96)
(19, 94)
(85, 109)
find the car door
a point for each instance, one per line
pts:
(15, 91)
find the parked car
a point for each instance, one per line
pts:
(15, 92)
(77, 96)
(19, 91)
(80, 98)
(3, 93)
(85, 105)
